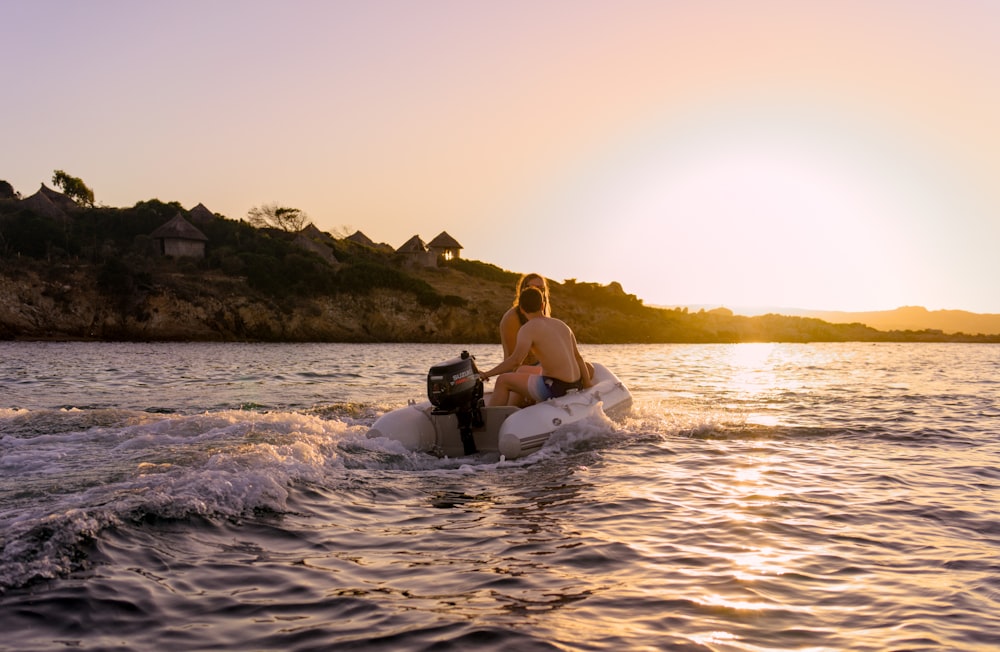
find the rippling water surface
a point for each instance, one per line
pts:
(759, 497)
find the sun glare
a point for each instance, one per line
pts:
(777, 209)
(753, 380)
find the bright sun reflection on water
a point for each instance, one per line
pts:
(752, 368)
(754, 379)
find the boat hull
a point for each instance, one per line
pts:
(512, 432)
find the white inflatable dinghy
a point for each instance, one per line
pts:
(456, 423)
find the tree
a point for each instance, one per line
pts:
(73, 187)
(279, 217)
(7, 191)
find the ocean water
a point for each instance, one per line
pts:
(759, 497)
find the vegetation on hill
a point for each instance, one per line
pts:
(95, 272)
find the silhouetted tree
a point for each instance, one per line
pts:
(73, 187)
(279, 217)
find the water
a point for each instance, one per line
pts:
(760, 497)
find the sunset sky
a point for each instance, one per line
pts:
(840, 155)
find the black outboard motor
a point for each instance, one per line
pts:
(454, 387)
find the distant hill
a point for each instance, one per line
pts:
(915, 318)
(906, 318)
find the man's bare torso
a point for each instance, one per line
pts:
(552, 342)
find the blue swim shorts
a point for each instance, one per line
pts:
(542, 388)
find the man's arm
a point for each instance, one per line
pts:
(514, 360)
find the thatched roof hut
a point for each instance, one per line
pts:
(360, 238)
(312, 231)
(42, 205)
(49, 203)
(58, 198)
(312, 239)
(180, 238)
(200, 214)
(413, 246)
(444, 247)
(415, 254)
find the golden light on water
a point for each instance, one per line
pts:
(747, 495)
(757, 528)
(752, 369)
(754, 379)
(747, 474)
(710, 638)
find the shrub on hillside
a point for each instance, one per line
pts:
(362, 277)
(482, 270)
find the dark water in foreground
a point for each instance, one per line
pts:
(761, 497)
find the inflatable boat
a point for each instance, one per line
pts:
(455, 421)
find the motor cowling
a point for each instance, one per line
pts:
(454, 384)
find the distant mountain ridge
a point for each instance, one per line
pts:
(915, 318)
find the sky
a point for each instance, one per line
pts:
(828, 155)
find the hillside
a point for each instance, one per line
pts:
(97, 274)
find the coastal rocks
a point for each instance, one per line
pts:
(43, 309)
(73, 307)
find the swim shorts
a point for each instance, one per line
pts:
(542, 388)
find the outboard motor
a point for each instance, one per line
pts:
(454, 387)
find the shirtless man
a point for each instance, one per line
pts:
(553, 343)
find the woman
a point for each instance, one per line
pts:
(514, 318)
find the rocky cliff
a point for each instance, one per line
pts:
(71, 305)
(171, 302)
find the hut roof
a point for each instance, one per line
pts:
(178, 229)
(41, 204)
(56, 197)
(312, 231)
(444, 241)
(360, 238)
(413, 246)
(201, 214)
